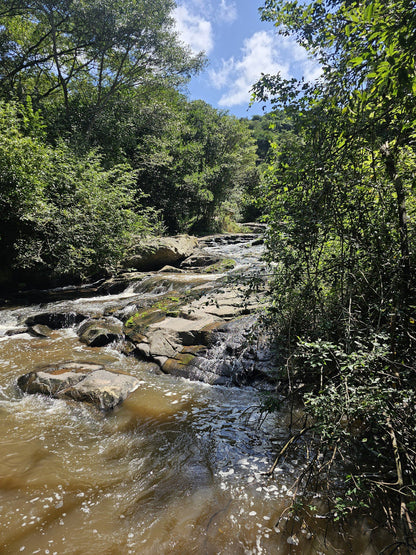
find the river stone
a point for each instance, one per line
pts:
(171, 270)
(16, 331)
(99, 332)
(201, 258)
(192, 368)
(103, 388)
(80, 382)
(49, 382)
(55, 320)
(163, 343)
(39, 330)
(153, 254)
(182, 330)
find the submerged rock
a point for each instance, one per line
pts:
(39, 330)
(91, 383)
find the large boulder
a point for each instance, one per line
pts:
(91, 383)
(153, 254)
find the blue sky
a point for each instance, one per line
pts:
(239, 48)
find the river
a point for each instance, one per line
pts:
(177, 469)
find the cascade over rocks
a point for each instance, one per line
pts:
(179, 333)
(226, 239)
(190, 322)
(55, 320)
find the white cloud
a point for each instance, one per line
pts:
(263, 52)
(220, 78)
(227, 12)
(194, 29)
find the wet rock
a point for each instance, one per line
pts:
(226, 239)
(16, 331)
(143, 349)
(89, 383)
(155, 253)
(103, 388)
(180, 336)
(171, 270)
(186, 365)
(67, 292)
(55, 320)
(163, 343)
(226, 304)
(182, 331)
(39, 330)
(99, 332)
(233, 358)
(199, 259)
(255, 227)
(221, 267)
(119, 283)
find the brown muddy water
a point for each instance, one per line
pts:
(176, 470)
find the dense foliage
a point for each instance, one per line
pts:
(200, 165)
(341, 191)
(62, 215)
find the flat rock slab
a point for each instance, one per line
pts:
(89, 383)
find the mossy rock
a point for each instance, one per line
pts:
(220, 267)
(143, 318)
(137, 324)
(176, 366)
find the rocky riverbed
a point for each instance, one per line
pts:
(197, 320)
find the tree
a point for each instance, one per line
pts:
(200, 159)
(88, 51)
